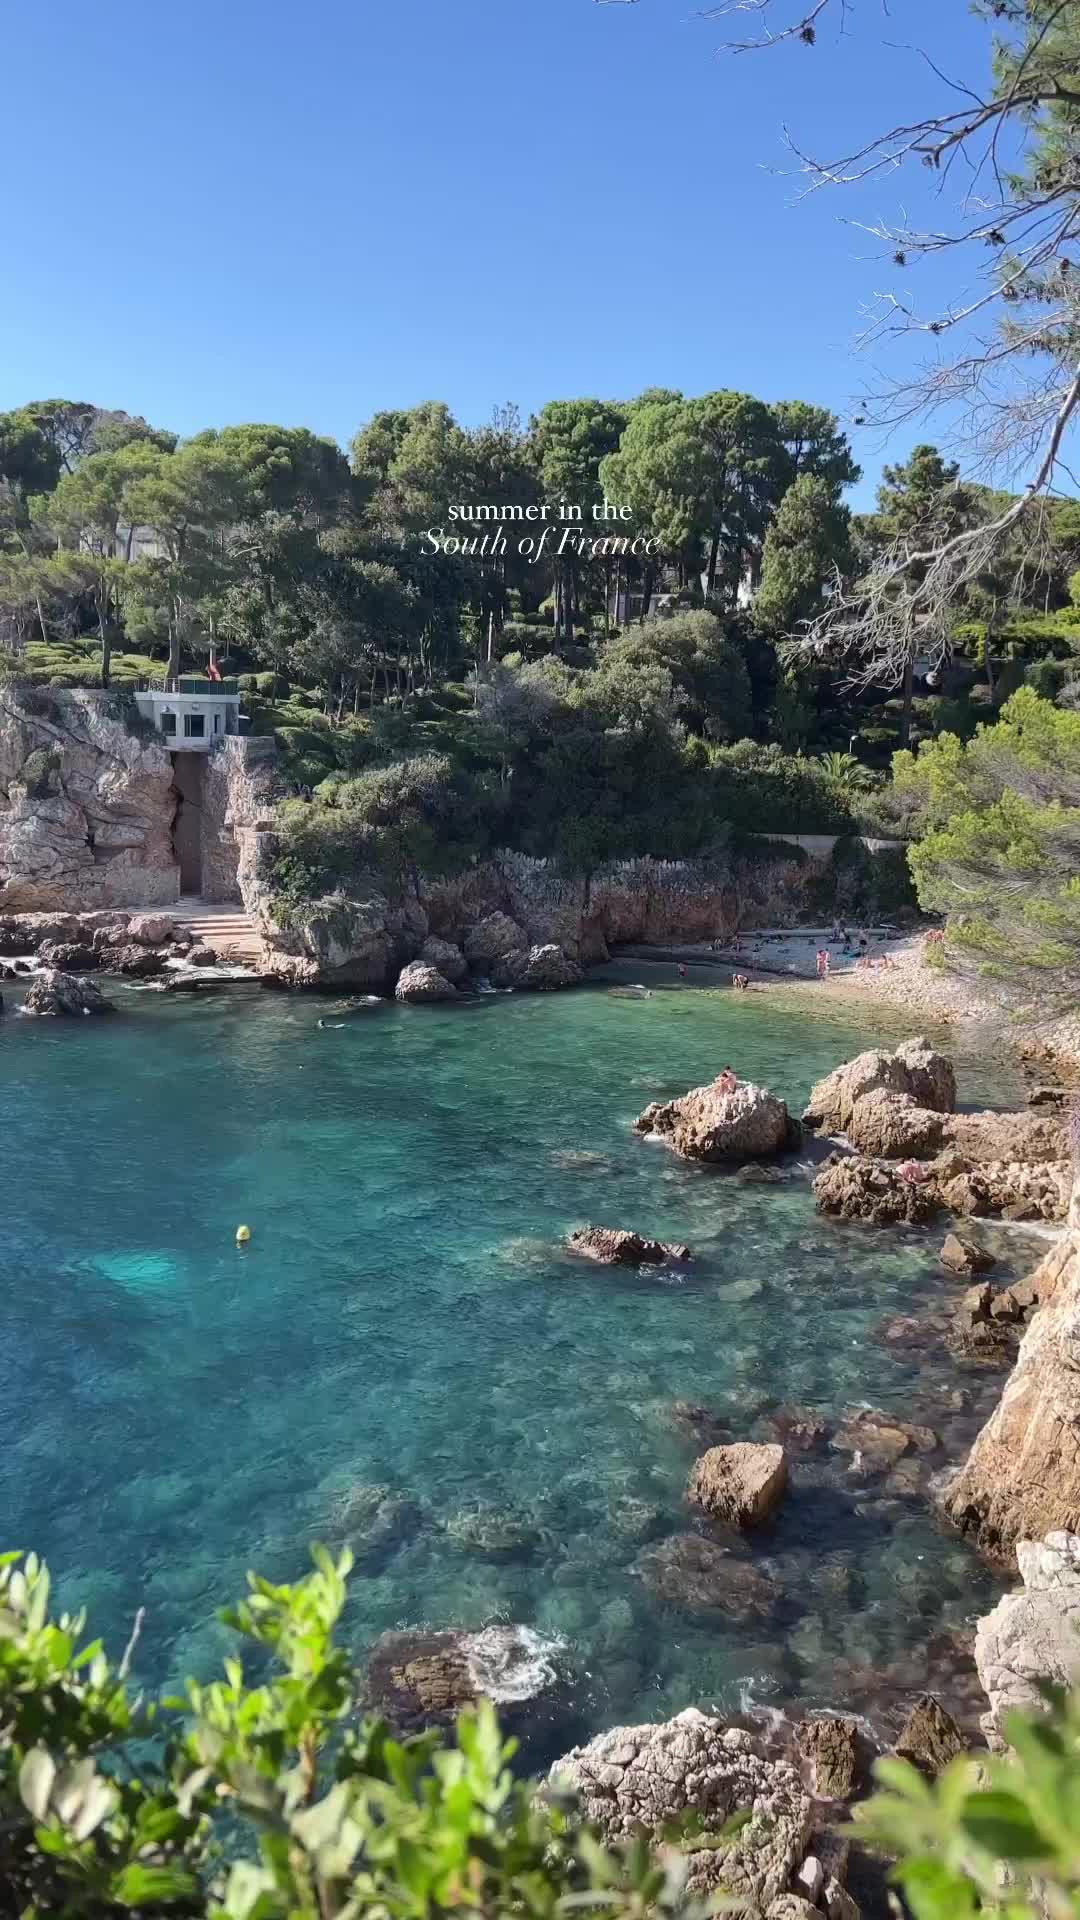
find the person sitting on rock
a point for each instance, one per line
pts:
(726, 1082)
(740, 981)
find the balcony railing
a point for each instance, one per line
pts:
(191, 684)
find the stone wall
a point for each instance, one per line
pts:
(86, 806)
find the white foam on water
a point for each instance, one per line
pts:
(511, 1663)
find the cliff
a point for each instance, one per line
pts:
(86, 806)
(1021, 1480)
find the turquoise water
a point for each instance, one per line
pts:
(178, 1409)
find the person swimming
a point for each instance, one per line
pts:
(333, 1026)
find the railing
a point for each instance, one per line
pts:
(205, 689)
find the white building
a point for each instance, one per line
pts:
(192, 714)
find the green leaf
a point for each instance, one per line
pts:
(36, 1776)
(1000, 1822)
(139, 1886)
(933, 1892)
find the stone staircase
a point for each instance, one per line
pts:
(230, 930)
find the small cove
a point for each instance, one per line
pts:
(180, 1410)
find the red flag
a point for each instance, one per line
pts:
(213, 671)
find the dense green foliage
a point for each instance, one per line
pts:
(994, 1834)
(999, 850)
(266, 1798)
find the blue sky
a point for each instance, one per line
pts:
(247, 211)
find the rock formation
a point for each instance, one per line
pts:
(446, 958)
(856, 1189)
(834, 1748)
(617, 1247)
(720, 1122)
(929, 1737)
(915, 1069)
(420, 1679)
(961, 1257)
(86, 806)
(701, 1577)
(494, 938)
(1033, 1634)
(418, 983)
(539, 970)
(1021, 1480)
(61, 994)
(742, 1484)
(641, 1777)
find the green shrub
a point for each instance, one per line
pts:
(241, 1801)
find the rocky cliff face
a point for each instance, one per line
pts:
(241, 786)
(1033, 1634)
(86, 807)
(1021, 1480)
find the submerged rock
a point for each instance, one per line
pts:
(418, 983)
(801, 1429)
(880, 1438)
(616, 1246)
(1034, 1634)
(417, 1679)
(54, 993)
(700, 1576)
(742, 1484)
(722, 1121)
(497, 1533)
(642, 1777)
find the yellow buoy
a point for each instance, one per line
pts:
(243, 1235)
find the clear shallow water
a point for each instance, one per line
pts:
(178, 1410)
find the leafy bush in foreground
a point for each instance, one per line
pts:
(269, 1801)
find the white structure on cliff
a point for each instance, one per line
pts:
(192, 714)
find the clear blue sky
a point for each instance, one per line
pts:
(242, 211)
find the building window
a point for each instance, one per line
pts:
(168, 721)
(194, 726)
(217, 723)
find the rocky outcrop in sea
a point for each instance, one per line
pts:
(728, 1119)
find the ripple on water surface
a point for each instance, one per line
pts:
(405, 1358)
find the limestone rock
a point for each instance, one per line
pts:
(86, 807)
(930, 1737)
(354, 940)
(617, 1247)
(916, 1069)
(1021, 1480)
(742, 1484)
(150, 929)
(857, 1189)
(711, 1123)
(894, 1126)
(445, 957)
(53, 993)
(1014, 1189)
(540, 970)
(492, 939)
(832, 1745)
(640, 1777)
(1033, 1634)
(1024, 1137)
(420, 1679)
(418, 983)
(961, 1257)
(792, 1906)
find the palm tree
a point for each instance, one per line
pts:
(845, 772)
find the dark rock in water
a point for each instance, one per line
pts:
(61, 994)
(616, 1246)
(908, 1330)
(139, 963)
(70, 956)
(881, 1438)
(374, 1521)
(976, 1334)
(835, 1748)
(961, 1257)
(930, 1737)
(418, 1679)
(700, 1576)
(1049, 1097)
(496, 1533)
(634, 1519)
(742, 1484)
(201, 957)
(801, 1429)
(700, 1424)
